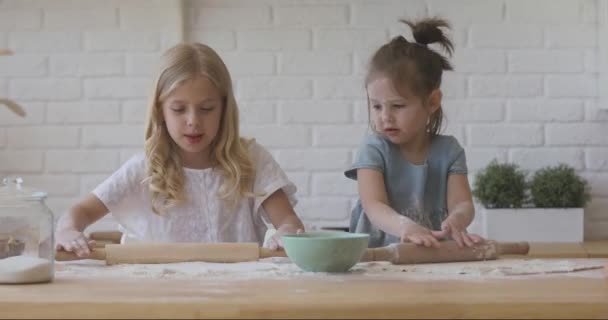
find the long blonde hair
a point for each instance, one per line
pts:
(229, 152)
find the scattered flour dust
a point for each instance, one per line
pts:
(25, 269)
(283, 268)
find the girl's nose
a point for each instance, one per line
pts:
(192, 120)
(385, 114)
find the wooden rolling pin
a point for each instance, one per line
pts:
(405, 253)
(409, 253)
(174, 252)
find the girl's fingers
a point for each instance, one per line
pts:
(467, 240)
(457, 236)
(476, 238)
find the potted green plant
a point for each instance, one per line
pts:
(547, 208)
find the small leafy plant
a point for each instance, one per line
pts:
(558, 187)
(500, 185)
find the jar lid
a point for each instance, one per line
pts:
(12, 189)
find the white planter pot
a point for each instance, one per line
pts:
(534, 225)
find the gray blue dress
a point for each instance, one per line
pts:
(415, 191)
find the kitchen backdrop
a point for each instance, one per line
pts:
(527, 86)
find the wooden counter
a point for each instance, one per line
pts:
(359, 297)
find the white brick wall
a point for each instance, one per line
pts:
(525, 86)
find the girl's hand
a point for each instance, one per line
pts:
(417, 234)
(74, 241)
(455, 225)
(276, 242)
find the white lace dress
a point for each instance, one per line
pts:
(204, 217)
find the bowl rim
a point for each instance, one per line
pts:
(326, 235)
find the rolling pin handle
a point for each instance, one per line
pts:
(521, 248)
(267, 253)
(96, 254)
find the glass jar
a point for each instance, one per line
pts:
(26, 235)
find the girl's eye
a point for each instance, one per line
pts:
(376, 107)
(398, 105)
(207, 109)
(178, 110)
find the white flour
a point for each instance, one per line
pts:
(25, 269)
(282, 268)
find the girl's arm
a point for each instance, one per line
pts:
(69, 235)
(282, 216)
(460, 211)
(374, 200)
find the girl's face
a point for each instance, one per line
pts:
(399, 118)
(192, 113)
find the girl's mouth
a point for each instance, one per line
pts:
(194, 139)
(391, 131)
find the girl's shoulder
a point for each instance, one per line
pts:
(445, 145)
(257, 152)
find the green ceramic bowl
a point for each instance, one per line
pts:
(325, 251)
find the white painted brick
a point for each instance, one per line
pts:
(593, 112)
(43, 136)
(113, 136)
(453, 85)
(571, 36)
(215, 38)
(45, 42)
(318, 15)
(361, 59)
(83, 112)
(479, 60)
(127, 154)
(3, 39)
(89, 182)
(164, 16)
(34, 115)
(251, 112)
(279, 136)
(113, 88)
(132, 41)
(244, 17)
(339, 136)
(590, 11)
(591, 61)
(326, 208)
(249, 63)
(333, 184)
(14, 161)
(538, 110)
(60, 205)
(80, 19)
(596, 211)
(2, 138)
(134, 111)
(53, 185)
(274, 39)
(543, 11)
(479, 158)
(23, 66)
(81, 161)
(505, 135)
(537, 158)
(506, 35)
(597, 159)
(359, 38)
(274, 87)
(379, 13)
(314, 112)
(598, 183)
(315, 63)
(577, 134)
(3, 87)
(87, 65)
(141, 64)
(314, 159)
(43, 89)
(361, 113)
(572, 86)
(467, 11)
(458, 111)
(545, 61)
(20, 20)
(506, 86)
(458, 131)
(302, 182)
(339, 87)
(596, 230)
